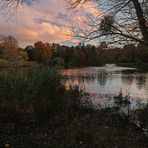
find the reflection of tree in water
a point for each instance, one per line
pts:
(128, 72)
(102, 78)
(127, 79)
(127, 76)
(89, 78)
(140, 80)
(82, 79)
(74, 83)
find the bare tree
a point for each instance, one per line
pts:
(118, 21)
(9, 7)
(9, 3)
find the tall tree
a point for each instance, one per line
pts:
(43, 52)
(117, 21)
(10, 50)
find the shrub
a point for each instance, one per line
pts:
(143, 67)
(3, 63)
(39, 89)
(57, 61)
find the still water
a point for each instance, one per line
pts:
(100, 82)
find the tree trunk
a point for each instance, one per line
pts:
(142, 22)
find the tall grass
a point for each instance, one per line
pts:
(37, 91)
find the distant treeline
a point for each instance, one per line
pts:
(89, 55)
(75, 56)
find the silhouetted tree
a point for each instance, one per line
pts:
(119, 21)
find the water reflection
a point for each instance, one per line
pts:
(127, 79)
(103, 81)
(140, 81)
(102, 78)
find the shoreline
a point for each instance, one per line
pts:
(20, 65)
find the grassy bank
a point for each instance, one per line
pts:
(37, 112)
(7, 64)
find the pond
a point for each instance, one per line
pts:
(101, 82)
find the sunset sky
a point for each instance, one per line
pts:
(42, 20)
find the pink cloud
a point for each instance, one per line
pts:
(28, 26)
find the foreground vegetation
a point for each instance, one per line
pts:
(36, 111)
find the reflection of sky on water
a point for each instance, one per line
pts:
(103, 80)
